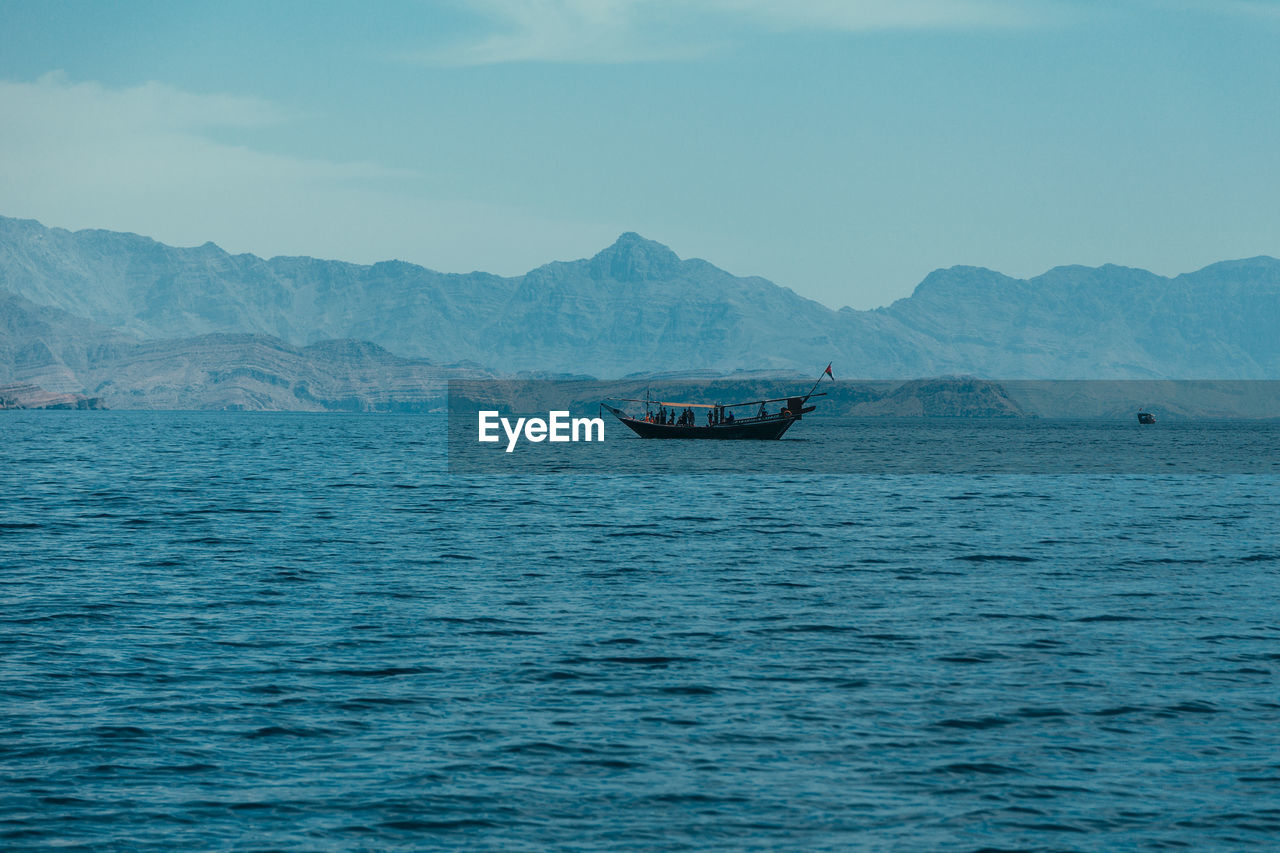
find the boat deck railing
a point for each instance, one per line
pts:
(755, 419)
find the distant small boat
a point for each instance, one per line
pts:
(663, 419)
(1146, 418)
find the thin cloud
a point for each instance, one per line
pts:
(584, 31)
(870, 15)
(622, 31)
(155, 159)
(154, 104)
(143, 135)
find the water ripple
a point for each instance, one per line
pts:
(221, 633)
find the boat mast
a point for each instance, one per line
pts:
(826, 372)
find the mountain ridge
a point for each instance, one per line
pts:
(637, 307)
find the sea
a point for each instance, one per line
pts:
(260, 631)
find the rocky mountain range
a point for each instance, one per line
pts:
(125, 317)
(52, 359)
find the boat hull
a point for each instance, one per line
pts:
(752, 430)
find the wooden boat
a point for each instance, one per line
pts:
(720, 420)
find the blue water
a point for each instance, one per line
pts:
(298, 631)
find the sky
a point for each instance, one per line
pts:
(842, 148)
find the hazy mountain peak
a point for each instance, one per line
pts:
(1113, 278)
(11, 223)
(1262, 268)
(395, 267)
(959, 278)
(633, 258)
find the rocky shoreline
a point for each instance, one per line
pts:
(24, 396)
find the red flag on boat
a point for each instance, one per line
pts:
(829, 373)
